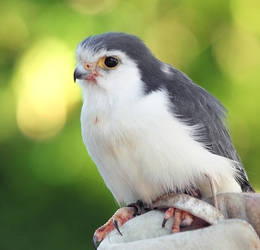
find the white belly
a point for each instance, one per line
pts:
(142, 151)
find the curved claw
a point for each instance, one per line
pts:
(164, 222)
(96, 242)
(181, 218)
(117, 227)
(121, 216)
(168, 214)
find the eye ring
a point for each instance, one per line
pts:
(109, 62)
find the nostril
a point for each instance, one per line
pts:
(87, 66)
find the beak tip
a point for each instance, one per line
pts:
(78, 75)
(75, 76)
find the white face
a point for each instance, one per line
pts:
(112, 71)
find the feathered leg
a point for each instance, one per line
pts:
(213, 191)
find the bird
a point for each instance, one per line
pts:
(149, 128)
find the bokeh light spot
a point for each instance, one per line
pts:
(91, 7)
(7, 114)
(43, 85)
(172, 48)
(13, 31)
(247, 14)
(236, 51)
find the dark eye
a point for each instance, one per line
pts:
(111, 62)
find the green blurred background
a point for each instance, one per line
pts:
(51, 195)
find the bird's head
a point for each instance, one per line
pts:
(115, 62)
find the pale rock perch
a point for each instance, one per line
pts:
(149, 128)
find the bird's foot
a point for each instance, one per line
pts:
(140, 207)
(181, 218)
(121, 216)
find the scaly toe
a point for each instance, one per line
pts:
(167, 215)
(187, 219)
(181, 218)
(177, 221)
(96, 242)
(121, 216)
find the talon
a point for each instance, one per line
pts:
(181, 218)
(168, 214)
(117, 227)
(121, 216)
(164, 222)
(96, 242)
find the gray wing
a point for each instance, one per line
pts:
(198, 107)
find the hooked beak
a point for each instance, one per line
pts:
(79, 75)
(90, 75)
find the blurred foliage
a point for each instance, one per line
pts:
(52, 196)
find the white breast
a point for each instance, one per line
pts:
(143, 151)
